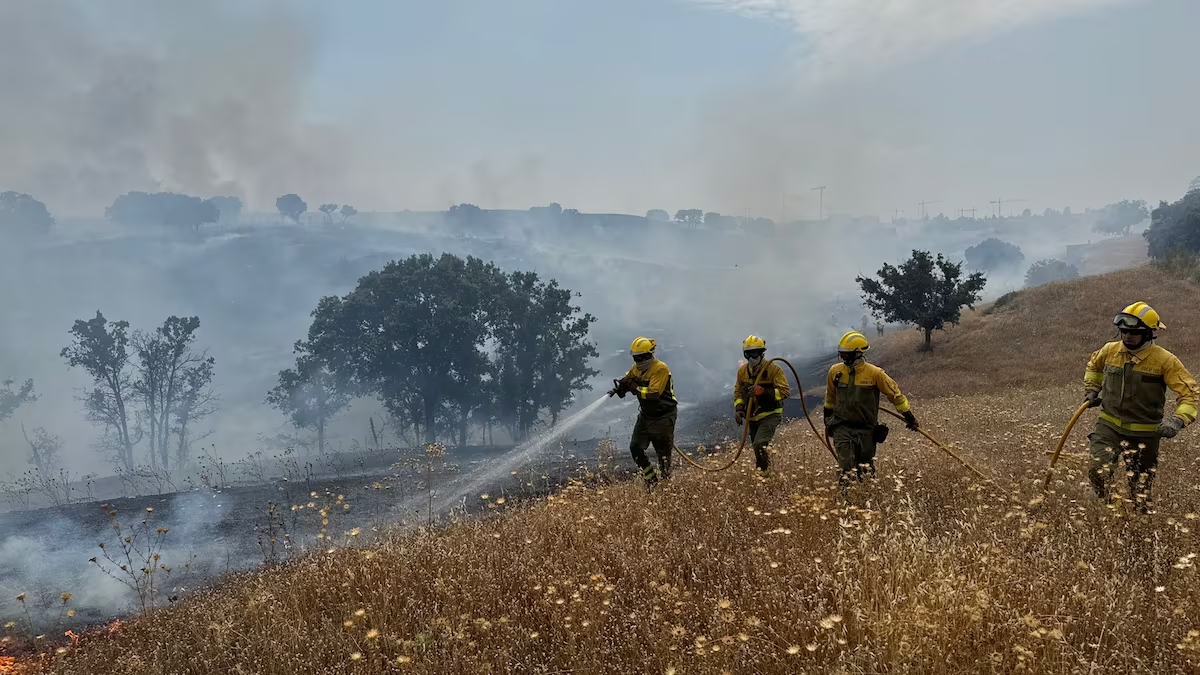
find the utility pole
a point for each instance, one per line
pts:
(821, 213)
(921, 212)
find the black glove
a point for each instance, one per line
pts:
(620, 387)
(739, 415)
(1092, 398)
(910, 420)
(1170, 426)
(826, 414)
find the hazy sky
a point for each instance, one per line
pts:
(621, 105)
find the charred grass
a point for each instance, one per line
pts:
(925, 569)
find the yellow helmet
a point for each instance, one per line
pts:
(753, 342)
(1139, 315)
(642, 345)
(853, 341)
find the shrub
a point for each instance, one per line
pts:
(991, 254)
(1045, 271)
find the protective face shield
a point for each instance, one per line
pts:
(643, 362)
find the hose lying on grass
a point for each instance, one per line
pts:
(941, 447)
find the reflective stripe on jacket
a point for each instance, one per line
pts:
(775, 389)
(853, 393)
(1133, 386)
(655, 390)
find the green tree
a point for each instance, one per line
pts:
(11, 399)
(417, 326)
(658, 215)
(691, 217)
(228, 208)
(163, 208)
(101, 348)
(328, 210)
(1175, 227)
(21, 214)
(1118, 218)
(1045, 271)
(542, 349)
(992, 254)
(291, 206)
(311, 393)
(167, 366)
(348, 212)
(923, 291)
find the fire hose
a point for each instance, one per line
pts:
(746, 424)
(822, 437)
(1062, 441)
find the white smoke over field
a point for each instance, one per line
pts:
(204, 98)
(843, 36)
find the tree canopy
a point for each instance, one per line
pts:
(658, 215)
(1175, 227)
(993, 254)
(163, 208)
(444, 342)
(1045, 271)
(12, 398)
(291, 206)
(311, 393)
(1119, 218)
(348, 212)
(229, 208)
(924, 291)
(22, 214)
(692, 217)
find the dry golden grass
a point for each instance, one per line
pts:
(1043, 337)
(927, 570)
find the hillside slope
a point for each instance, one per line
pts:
(1042, 336)
(926, 569)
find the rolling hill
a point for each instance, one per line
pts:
(925, 569)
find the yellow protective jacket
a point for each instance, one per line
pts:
(1133, 387)
(775, 389)
(655, 390)
(852, 394)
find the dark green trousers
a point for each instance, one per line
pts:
(1137, 456)
(761, 434)
(855, 450)
(661, 433)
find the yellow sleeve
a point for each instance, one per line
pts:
(738, 395)
(1093, 376)
(658, 380)
(830, 391)
(1184, 385)
(889, 388)
(782, 388)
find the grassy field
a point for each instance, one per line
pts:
(925, 569)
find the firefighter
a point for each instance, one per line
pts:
(852, 391)
(768, 396)
(650, 380)
(1128, 379)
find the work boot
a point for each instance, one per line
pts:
(649, 475)
(664, 467)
